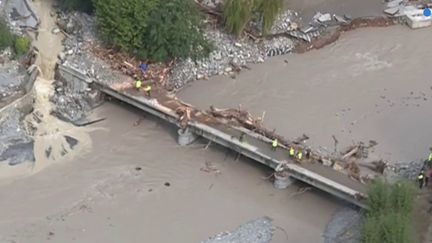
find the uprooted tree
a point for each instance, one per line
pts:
(153, 29)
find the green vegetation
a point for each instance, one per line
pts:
(174, 31)
(154, 29)
(237, 13)
(389, 219)
(80, 5)
(22, 45)
(6, 37)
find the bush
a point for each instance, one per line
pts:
(389, 217)
(174, 31)
(6, 37)
(80, 5)
(22, 45)
(155, 29)
(237, 13)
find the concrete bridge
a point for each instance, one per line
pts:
(256, 147)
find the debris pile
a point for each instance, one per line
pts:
(214, 4)
(69, 106)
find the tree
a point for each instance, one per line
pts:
(237, 13)
(174, 30)
(80, 5)
(6, 37)
(123, 23)
(154, 29)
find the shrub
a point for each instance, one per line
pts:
(268, 10)
(388, 219)
(22, 45)
(80, 5)
(237, 13)
(174, 31)
(6, 37)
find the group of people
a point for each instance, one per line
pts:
(292, 151)
(426, 172)
(138, 82)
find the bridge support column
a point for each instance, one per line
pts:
(282, 180)
(185, 137)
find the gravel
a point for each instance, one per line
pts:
(256, 231)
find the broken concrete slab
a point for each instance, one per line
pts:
(394, 3)
(392, 11)
(418, 21)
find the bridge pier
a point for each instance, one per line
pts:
(185, 137)
(282, 180)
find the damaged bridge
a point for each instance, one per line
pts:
(194, 123)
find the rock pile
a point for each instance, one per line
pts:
(257, 231)
(406, 170)
(228, 52)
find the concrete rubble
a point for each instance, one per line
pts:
(12, 77)
(256, 231)
(16, 145)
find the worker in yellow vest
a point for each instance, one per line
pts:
(421, 179)
(274, 144)
(147, 89)
(291, 152)
(300, 155)
(138, 84)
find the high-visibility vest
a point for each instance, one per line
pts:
(274, 143)
(291, 152)
(138, 84)
(300, 155)
(147, 88)
(430, 157)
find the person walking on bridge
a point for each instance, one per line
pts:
(421, 178)
(242, 138)
(148, 89)
(291, 152)
(429, 159)
(274, 144)
(138, 84)
(300, 155)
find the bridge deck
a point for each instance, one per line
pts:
(256, 146)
